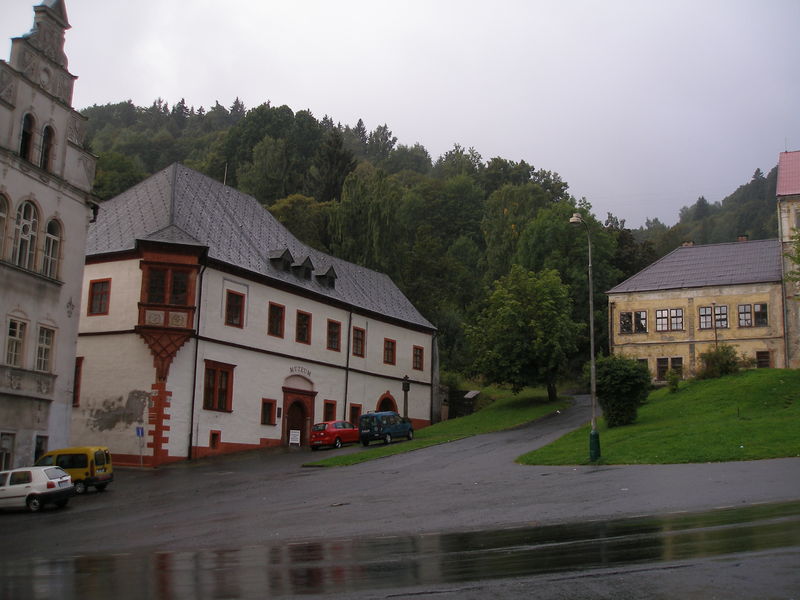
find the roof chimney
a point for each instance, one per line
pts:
(687, 244)
(743, 238)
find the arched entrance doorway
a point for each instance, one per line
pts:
(298, 409)
(387, 403)
(296, 421)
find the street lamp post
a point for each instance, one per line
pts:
(594, 435)
(406, 387)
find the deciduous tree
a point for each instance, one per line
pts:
(525, 333)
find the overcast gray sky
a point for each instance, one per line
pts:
(641, 106)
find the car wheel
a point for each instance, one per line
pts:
(34, 503)
(387, 438)
(80, 487)
(62, 503)
(100, 487)
(337, 443)
(410, 434)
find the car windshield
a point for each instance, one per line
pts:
(55, 473)
(320, 427)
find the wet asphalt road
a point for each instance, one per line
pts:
(264, 500)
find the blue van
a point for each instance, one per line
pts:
(384, 426)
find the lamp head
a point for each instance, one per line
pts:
(576, 218)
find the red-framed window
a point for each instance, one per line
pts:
(276, 317)
(76, 386)
(359, 341)
(234, 309)
(218, 387)
(268, 411)
(389, 351)
(166, 285)
(303, 327)
(99, 297)
(329, 410)
(334, 335)
(418, 358)
(355, 413)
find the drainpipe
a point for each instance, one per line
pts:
(196, 352)
(435, 398)
(611, 338)
(347, 365)
(785, 310)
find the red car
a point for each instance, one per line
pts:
(333, 433)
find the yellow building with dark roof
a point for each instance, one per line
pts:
(698, 297)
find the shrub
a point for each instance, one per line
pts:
(673, 380)
(720, 361)
(622, 385)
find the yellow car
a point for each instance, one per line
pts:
(87, 465)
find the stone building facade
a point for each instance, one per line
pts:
(46, 177)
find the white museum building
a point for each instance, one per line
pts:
(208, 328)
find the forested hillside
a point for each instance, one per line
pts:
(444, 229)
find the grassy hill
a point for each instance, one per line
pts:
(749, 416)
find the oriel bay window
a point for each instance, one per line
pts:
(167, 286)
(167, 295)
(218, 388)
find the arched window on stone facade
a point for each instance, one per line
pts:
(26, 140)
(48, 137)
(52, 249)
(26, 228)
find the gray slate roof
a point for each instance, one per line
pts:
(179, 205)
(713, 264)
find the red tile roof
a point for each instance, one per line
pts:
(789, 173)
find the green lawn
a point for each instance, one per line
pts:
(749, 416)
(507, 411)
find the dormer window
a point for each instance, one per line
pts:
(303, 269)
(281, 260)
(328, 278)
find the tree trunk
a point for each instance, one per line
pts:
(552, 393)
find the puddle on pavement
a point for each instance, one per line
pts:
(392, 563)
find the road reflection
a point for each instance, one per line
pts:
(394, 563)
